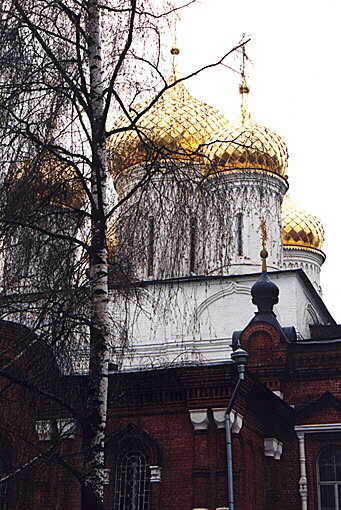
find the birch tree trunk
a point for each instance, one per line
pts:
(54, 84)
(94, 427)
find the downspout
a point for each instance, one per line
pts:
(240, 358)
(229, 456)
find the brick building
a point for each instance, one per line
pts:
(196, 267)
(167, 430)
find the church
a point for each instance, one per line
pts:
(230, 387)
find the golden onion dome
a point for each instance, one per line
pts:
(246, 145)
(174, 127)
(48, 178)
(299, 228)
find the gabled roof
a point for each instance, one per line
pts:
(326, 401)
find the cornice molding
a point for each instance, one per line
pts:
(317, 428)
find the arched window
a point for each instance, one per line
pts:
(329, 478)
(135, 457)
(132, 482)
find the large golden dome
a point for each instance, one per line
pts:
(245, 145)
(175, 126)
(299, 228)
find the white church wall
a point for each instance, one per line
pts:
(310, 261)
(193, 320)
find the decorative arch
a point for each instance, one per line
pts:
(134, 434)
(230, 289)
(311, 315)
(260, 336)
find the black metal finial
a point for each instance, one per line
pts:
(264, 293)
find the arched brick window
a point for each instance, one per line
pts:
(133, 453)
(329, 478)
(132, 480)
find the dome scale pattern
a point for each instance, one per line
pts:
(174, 127)
(246, 145)
(299, 228)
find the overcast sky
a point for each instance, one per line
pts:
(294, 80)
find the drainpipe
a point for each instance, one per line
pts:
(239, 357)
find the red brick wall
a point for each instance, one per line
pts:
(194, 463)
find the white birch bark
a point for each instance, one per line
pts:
(93, 489)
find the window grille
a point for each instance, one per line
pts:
(151, 245)
(132, 482)
(329, 477)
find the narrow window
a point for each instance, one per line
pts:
(151, 243)
(192, 244)
(132, 482)
(329, 476)
(239, 234)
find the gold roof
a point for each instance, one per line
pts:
(175, 126)
(299, 228)
(245, 145)
(47, 177)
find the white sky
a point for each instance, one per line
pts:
(294, 80)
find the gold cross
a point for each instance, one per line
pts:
(264, 236)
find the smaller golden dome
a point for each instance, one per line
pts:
(299, 228)
(174, 127)
(246, 145)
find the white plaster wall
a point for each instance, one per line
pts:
(190, 320)
(214, 204)
(258, 197)
(308, 260)
(194, 320)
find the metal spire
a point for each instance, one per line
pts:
(174, 50)
(243, 89)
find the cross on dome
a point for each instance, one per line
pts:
(263, 254)
(243, 89)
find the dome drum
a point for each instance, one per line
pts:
(248, 177)
(303, 254)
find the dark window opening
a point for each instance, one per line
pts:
(151, 245)
(192, 244)
(239, 234)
